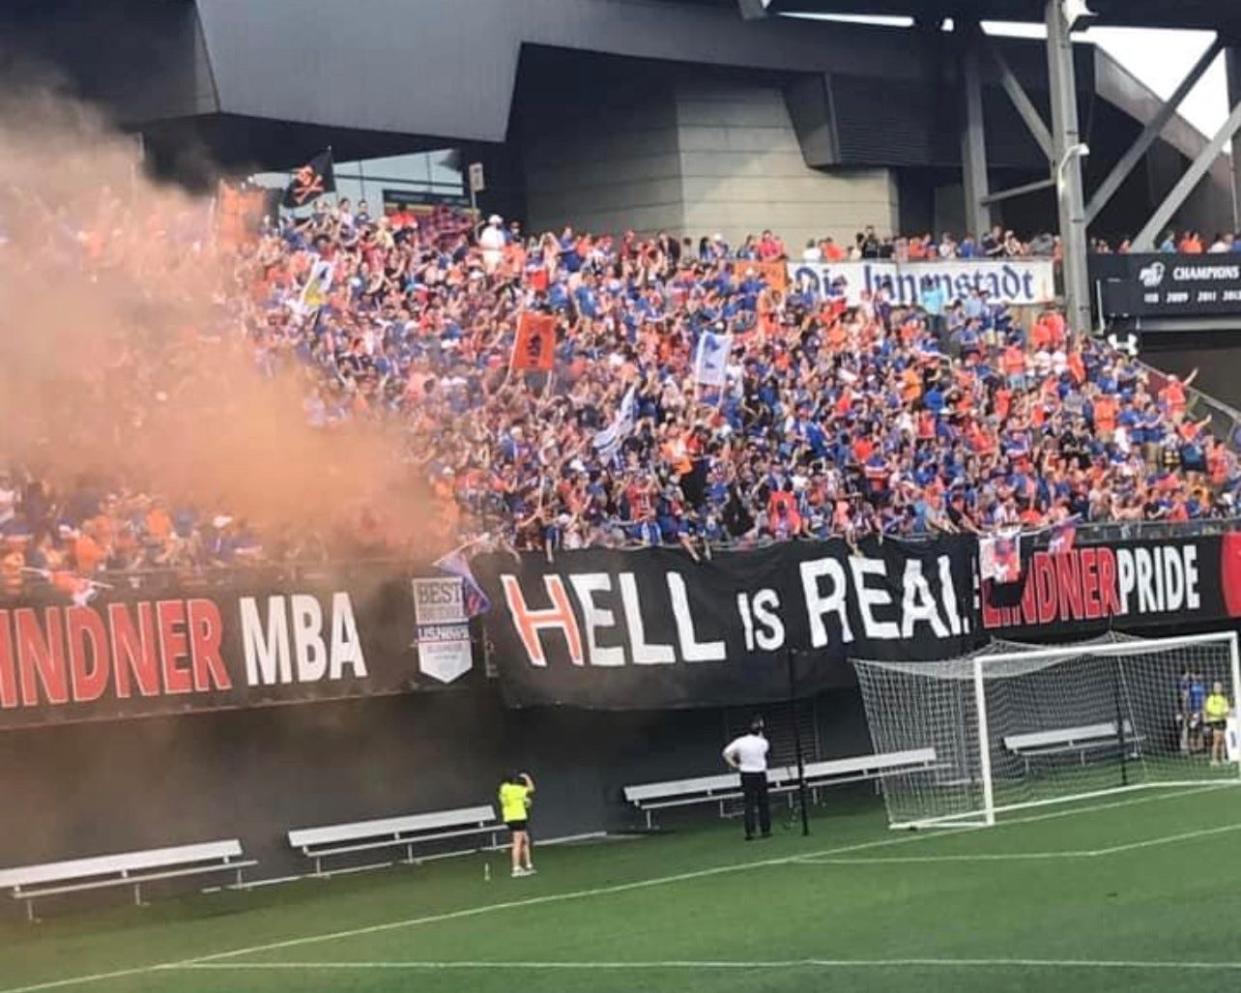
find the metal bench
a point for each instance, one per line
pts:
(126, 869)
(835, 772)
(650, 797)
(1069, 741)
(394, 832)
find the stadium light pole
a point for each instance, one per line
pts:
(791, 655)
(1066, 138)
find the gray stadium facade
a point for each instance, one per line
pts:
(605, 114)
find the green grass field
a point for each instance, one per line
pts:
(1140, 891)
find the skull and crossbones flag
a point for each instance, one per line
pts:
(311, 181)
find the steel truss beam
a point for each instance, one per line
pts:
(1019, 191)
(1145, 241)
(1150, 134)
(1022, 102)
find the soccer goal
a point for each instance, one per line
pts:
(1014, 726)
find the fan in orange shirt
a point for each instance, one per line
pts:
(832, 252)
(1173, 397)
(1105, 410)
(675, 452)
(911, 385)
(88, 554)
(12, 568)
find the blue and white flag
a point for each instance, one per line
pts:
(608, 441)
(456, 564)
(318, 283)
(711, 358)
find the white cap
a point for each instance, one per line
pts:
(495, 219)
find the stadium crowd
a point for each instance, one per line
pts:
(832, 419)
(1173, 243)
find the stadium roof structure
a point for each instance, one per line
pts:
(1208, 15)
(1063, 139)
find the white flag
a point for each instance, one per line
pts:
(711, 358)
(608, 441)
(317, 285)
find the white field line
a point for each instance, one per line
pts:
(96, 977)
(904, 963)
(663, 880)
(572, 895)
(932, 859)
(1169, 839)
(1153, 797)
(489, 908)
(451, 915)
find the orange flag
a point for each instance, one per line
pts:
(776, 273)
(535, 346)
(239, 212)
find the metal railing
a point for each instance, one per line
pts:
(1098, 532)
(268, 575)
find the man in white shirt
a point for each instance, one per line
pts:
(748, 755)
(491, 240)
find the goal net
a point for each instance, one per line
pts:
(1014, 726)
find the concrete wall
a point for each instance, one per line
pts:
(742, 171)
(602, 158)
(90, 789)
(692, 154)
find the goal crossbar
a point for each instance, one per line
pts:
(1116, 648)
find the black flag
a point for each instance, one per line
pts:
(312, 180)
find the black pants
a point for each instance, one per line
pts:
(754, 789)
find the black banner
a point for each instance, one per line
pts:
(598, 628)
(1123, 585)
(1168, 285)
(652, 628)
(134, 654)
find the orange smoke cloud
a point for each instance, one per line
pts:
(123, 354)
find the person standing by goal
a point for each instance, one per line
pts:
(748, 755)
(1216, 711)
(516, 792)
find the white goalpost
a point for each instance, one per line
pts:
(1016, 726)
